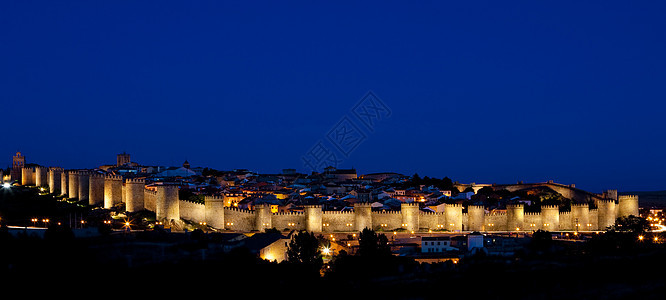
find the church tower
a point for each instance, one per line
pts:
(17, 167)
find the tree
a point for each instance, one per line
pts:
(541, 241)
(631, 224)
(372, 244)
(304, 249)
(623, 237)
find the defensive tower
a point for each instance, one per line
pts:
(410, 216)
(134, 194)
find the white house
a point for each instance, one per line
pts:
(436, 244)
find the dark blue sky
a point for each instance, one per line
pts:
(479, 92)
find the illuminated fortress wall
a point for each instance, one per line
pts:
(108, 191)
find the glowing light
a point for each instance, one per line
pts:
(6, 185)
(640, 237)
(326, 250)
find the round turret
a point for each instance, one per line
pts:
(134, 194)
(263, 217)
(627, 205)
(453, 213)
(113, 189)
(96, 189)
(214, 210)
(410, 216)
(606, 213)
(73, 189)
(313, 218)
(476, 217)
(362, 216)
(166, 204)
(54, 180)
(41, 178)
(580, 217)
(550, 217)
(515, 217)
(64, 183)
(84, 186)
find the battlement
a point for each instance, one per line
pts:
(113, 177)
(291, 213)
(580, 205)
(231, 208)
(387, 212)
(409, 204)
(496, 214)
(335, 212)
(628, 197)
(364, 205)
(472, 206)
(213, 197)
(564, 213)
(312, 206)
(181, 200)
(531, 213)
(262, 206)
(514, 206)
(549, 207)
(56, 169)
(135, 181)
(605, 202)
(97, 175)
(452, 205)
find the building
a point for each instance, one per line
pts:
(18, 163)
(474, 241)
(436, 244)
(123, 159)
(340, 174)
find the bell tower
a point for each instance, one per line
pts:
(17, 167)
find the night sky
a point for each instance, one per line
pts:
(483, 92)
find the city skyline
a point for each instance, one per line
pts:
(488, 94)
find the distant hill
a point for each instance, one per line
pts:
(649, 198)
